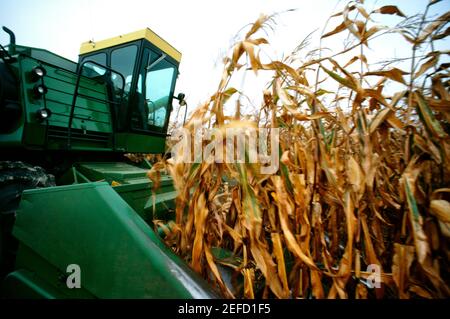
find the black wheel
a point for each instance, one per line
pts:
(15, 177)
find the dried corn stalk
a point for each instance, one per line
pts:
(363, 181)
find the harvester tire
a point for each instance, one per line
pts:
(15, 177)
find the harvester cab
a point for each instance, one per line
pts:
(149, 67)
(76, 215)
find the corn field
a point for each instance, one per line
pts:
(364, 174)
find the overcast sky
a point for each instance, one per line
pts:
(202, 30)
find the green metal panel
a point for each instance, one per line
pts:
(25, 284)
(112, 171)
(92, 117)
(47, 57)
(92, 226)
(34, 134)
(140, 143)
(44, 280)
(135, 188)
(89, 114)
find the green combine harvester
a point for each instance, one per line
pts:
(75, 214)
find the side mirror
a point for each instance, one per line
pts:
(180, 97)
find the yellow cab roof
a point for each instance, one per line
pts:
(147, 34)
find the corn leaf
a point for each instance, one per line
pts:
(390, 10)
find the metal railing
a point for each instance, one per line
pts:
(111, 103)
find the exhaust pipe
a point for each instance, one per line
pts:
(12, 41)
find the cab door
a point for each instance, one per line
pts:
(155, 89)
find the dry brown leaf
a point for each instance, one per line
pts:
(338, 29)
(432, 26)
(278, 252)
(393, 74)
(356, 176)
(201, 212)
(283, 211)
(427, 65)
(356, 58)
(401, 263)
(390, 10)
(248, 283)
(215, 271)
(441, 209)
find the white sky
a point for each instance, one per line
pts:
(202, 30)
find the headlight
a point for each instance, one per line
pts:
(43, 114)
(37, 73)
(39, 90)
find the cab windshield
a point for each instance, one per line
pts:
(123, 61)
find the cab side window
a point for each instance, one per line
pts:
(92, 70)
